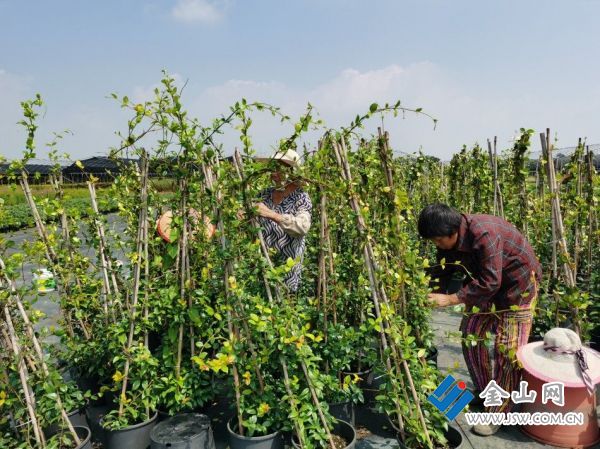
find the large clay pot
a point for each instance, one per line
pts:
(577, 399)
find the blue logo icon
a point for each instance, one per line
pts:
(451, 397)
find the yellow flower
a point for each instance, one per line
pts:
(118, 376)
(246, 377)
(232, 282)
(221, 362)
(263, 409)
(2, 398)
(201, 364)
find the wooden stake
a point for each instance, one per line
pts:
(559, 227)
(142, 223)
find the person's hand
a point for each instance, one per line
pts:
(263, 210)
(441, 300)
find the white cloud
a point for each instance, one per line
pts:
(467, 111)
(198, 11)
(341, 98)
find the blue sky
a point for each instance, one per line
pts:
(482, 68)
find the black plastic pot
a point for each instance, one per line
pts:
(453, 436)
(136, 436)
(183, 431)
(85, 435)
(272, 441)
(94, 414)
(342, 429)
(343, 411)
(76, 417)
(162, 415)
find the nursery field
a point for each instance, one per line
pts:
(214, 317)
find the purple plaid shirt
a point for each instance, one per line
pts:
(500, 260)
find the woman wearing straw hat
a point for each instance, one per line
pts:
(503, 286)
(285, 213)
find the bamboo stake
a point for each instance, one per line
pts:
(576, 226)
(142, 223)
(546, 144)
(39, 224)
(57, 185)
(338, 152)
(317, 404)
(557, 219)
(591, 212)
(341, 155)
(23, 376)
(239, 167)
(106, 264)
(227, 272)
(209, 175)
(36, 344)
(497, 187)
(183, 250)
(51, 256)
(293, 403)
(385, 157)
(322, 277)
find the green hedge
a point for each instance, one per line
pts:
(18, 216)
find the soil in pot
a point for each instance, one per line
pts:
(136, 436)
(343, 434)
(236, 441)
(183, 431)
(453, 436)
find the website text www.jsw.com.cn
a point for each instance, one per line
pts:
(452, 396)
(526, 419)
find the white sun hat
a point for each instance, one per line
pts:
(561, 358)
(288, 157)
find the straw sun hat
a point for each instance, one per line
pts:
(288, 157)
(562, 358)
